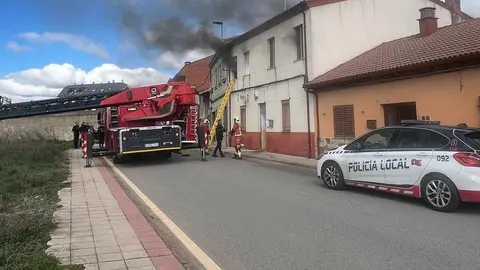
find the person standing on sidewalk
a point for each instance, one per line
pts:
(76, 135)
(219, 130)
(90, 143)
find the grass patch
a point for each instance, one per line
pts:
(32, 170)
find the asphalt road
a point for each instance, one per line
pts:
(249, 215)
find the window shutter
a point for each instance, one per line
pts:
(348, 122)
(343, 121)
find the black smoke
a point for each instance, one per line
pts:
(157, 26)
(176, 33)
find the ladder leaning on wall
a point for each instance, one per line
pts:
(220, 112)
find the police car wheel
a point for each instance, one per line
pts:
(332, 176)
(440, 193)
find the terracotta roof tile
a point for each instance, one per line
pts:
(198, 73)
(450, 42)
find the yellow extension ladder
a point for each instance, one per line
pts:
(220, 112)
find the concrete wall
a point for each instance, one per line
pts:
(57, 126)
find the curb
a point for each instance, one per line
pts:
(253, 156)
(189, 245)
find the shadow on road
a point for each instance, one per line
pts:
(465, 208)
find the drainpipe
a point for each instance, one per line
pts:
(305, 80)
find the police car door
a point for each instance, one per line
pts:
(409, 154)
(365, 156)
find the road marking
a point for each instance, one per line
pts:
(201, 256)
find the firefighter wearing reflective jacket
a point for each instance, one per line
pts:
(236, 132)
(203, 133)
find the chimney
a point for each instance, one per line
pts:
(427, 22)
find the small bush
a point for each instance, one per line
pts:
(32, 169)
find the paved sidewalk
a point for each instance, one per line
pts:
(100, 227)
(285, 159)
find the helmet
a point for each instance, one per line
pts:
(206, 121)
(236, 120)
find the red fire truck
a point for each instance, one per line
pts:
(158, 118)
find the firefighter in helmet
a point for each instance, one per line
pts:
(203, 133)
(237, 133)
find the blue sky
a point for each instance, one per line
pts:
(93, 22)
(48, 43)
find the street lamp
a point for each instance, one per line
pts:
(221, 27)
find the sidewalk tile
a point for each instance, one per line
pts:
(139, 262)
(100, 226)
(167, 263)
(135, 254)
(109, 257)
(115, 265)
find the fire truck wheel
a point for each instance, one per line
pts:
(164, 155)
(117, 159)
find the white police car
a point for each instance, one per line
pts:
(422, 159)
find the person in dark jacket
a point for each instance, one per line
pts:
(83, 127)
(219, 130)
(101, 136)
(76, 135)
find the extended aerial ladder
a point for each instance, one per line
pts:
(220, 111)
(65, 103)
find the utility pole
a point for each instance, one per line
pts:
(221, 28)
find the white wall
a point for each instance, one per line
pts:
(218, 82)
(286, 64)
(342, 31)
(272, 95)
(285, 81)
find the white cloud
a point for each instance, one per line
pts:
(126, 45)
(15, 47)
(170, 60)
(76, 42)
(47, 82)
(471, 7)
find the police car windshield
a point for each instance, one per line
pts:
(473, 139)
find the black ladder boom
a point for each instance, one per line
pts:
(51, 106)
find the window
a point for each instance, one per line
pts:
(243, 118)
(343, 121)
(246, 55)
(376, 140)
(473, 139)
(286, 115)
(271, 51)
(419, 138)
(234, 67)
(299, 41)
(218, 76)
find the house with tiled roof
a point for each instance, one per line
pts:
(432, 75)
(197, 74)
(274, 60)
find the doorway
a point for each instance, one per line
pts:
(263, 126)
(396, 112)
